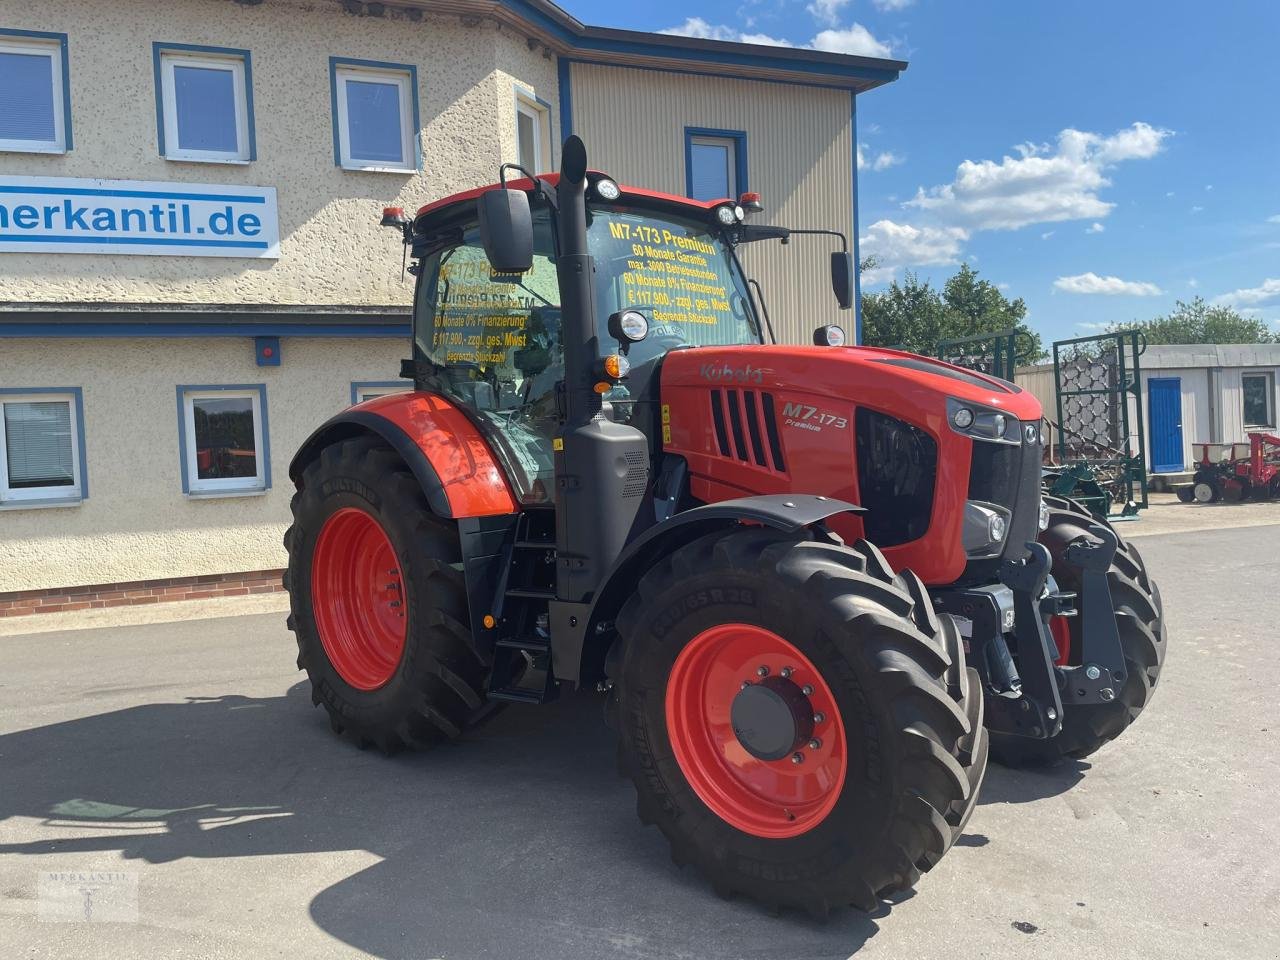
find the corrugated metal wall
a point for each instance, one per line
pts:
(799, 156)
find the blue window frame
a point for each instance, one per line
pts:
(204, 103)
(715, 163)
(375, 115)
(224, 443)
(35, 96)
(362, 390)
(42, 461)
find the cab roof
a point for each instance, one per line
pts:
(446, 205)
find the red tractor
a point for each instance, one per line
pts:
(807, 581)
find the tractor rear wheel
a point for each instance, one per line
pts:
(797, 720)
(378, 602)
(1139, 615)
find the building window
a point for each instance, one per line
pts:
(368, 389)
(375, 115)
(41, 447)
(715, 163)
(35, 104)
(204, 103)
(1259, 390)
(223, 437)
(533, 132)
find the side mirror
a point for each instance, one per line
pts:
(506, 230)
(842, 278)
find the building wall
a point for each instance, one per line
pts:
(136, 523)
(800, 157)
(1212, 395)
(332, 249)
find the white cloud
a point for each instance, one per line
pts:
(886, 6)
(1192, 282)
(1095, 228)
(1090, 325)
(898, 245)
(827, 11)
(1275, 219)
(1110, 286)
(1209, 186)
(1043, 184)
(1047, 234)
(702, 30)
(881, 161)
(1169, 194)
(1265, 294)
(1196, 209)
(855, 39)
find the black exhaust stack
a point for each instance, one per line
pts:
(602, 467)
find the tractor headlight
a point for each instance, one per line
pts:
(607, 190)
(982, 423)
(985, 527)
(1044, 515)
(727, 215)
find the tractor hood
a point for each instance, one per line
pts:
(888, 380)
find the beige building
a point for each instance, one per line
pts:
(192, 271)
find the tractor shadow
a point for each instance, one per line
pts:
(520, 842)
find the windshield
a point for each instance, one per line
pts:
(679, 272)
(495, 339)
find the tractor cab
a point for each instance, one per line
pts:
(665, 278)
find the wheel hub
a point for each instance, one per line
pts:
(772, 719)
(756, 730)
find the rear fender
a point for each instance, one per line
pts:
(452, 461)
(789, 513)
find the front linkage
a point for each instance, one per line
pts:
(1007, 637)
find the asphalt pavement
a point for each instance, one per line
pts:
(178, 772)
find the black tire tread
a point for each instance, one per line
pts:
(908, 650)
(451, 681)
(1140, 621)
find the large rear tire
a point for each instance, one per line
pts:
(887, 774)
(378, 602)
(1139, 614)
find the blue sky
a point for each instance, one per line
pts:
(1099, 159)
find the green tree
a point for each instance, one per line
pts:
(1197, 322)
(914, 315)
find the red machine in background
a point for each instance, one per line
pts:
(1223, 475)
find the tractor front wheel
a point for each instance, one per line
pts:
(797, 721)
(378, 602)
(1139, 615)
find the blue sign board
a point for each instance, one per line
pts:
(64, 215)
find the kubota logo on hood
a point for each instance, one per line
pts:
(727, 374)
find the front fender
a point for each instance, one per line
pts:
(452, 461)
(788, 512)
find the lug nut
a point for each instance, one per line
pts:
(797, 758)
(787, 671)
(762, 671)
(1092, 672)
(815, 743)
(1107, 694)
(819, 717)
(807, 690)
